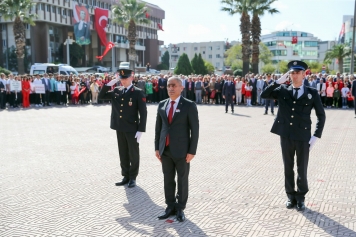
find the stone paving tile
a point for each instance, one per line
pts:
(58, 167)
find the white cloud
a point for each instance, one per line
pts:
(287, 25)
(223, 28)
(198, 30)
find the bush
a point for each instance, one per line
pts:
(162, 67)
(5, 71)
(268, 68)
(238, 72)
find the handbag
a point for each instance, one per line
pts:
(212, 95)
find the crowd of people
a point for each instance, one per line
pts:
(335, 91)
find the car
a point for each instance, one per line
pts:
(124, 65)
(154, 71)
(98, 68)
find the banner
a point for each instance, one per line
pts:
(294, 39)
(81, 20)
(342, 34)
(101, 20)
(39, 88)
(15, 86)
(61, 87)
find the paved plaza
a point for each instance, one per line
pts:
(58, 167)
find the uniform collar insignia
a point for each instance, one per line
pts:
(310, 96)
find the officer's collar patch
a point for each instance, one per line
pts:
(310, 96)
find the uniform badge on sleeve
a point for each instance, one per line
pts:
(144, 99)
(130, 103)
(310, 96)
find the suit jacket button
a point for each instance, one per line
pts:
(306, 104)
(305, 128)
(122, 99)
(293, 109)
(120, 110)
(294, 102)
(122, 105)
(292, 116)
(291, 123)
(120, 116)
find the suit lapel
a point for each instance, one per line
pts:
(164, 110)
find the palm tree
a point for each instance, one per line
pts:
(338, 52)
(259, 8)
(242, 7)
(20, 11)
(130, 13)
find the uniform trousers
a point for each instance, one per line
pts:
(170, 166)
(301, 149)
(238, 96)
(269, 102)
(228, 99)
(129, 154)
(198, 96)
(2, 100)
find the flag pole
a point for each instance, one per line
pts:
(353, 43)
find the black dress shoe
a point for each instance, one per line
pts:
(180, 215)
(265, 113)
(272, 113)
(124, 181)
(291, 203)
(169, 212)
(225, 112)
(132, 183)
(300, 206)
(232, 112)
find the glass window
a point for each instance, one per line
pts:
(210, 56)
(59, 10)
(218, 47)
(203, 52)
(4, 42)
(211, 48)
(217, 64)
(195, 48)
(295, 52)
(304, 34)
(279, 52)
(294, 33)
(310, 44)
(54, 9)
(218, 56)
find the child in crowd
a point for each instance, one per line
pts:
(344, 92)
(336, 96)
(248, 91)
(329, 95)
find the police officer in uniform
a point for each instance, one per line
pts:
(293, 125)
(128, 118)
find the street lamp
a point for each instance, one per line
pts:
(68, 42)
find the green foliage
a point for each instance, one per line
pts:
(129, 10)
(238, 72)
(338, 52)
(237, 65)
(282, 67)
(268, 68)
(333, 72)
(194, 63)
(11, 58)
(233, 55)
(209, 67)
(162, 67)
(76, 53)
(5, 71)
(10, 9)
(183, 66)
(265, 54)
(315, 67)
(165, 60)
(201, 66)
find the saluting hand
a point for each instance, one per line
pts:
(158, 156)
(189, 157)
(283, 78)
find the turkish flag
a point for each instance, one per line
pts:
(160, 26)
(109, 46)
(294, 39)
(101, 20)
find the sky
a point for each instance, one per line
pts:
(203, 21)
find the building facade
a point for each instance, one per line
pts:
(55, 24)
(282, 48)
(212, 52)
(348, 20)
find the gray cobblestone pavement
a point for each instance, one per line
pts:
(58, 167)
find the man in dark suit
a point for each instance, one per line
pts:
(228, 94)
(2, 94)
(293, 125)
(162, 88)
(253, 83)
(128, 118)
(176, 141)
(353, 91)
(189, 86)
(267, 82)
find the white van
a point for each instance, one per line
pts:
(61, 69)
(124, 65)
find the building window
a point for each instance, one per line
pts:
(210, 47)
(217, 64)
(210, 56)
(295, 52)
(4, 43)
(304, 34)
(203, 52)
(283, 33)
(310, 44)
(218, 56)
(195, 48)
(184, 48)
(294, 33)
(54, 9)
(218, 47)
(3, 26)
(64, 12)
(279, 52)
(27, 26)
(271, 43)
(59, 10)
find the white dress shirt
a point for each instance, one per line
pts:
(174, 106)
(128, 88)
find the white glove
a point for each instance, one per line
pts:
(283, 78)
(138, 136)
(312, 142)
(112, 82)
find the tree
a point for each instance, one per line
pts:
(20, 11)
(265, 54)
(282, 67)
(130, 13)
(194, 64)
(5, 71)
(258, 8)
(162, 67)
(315, 67)
(241, 7)
(338, 52)
(183, 66)
(233, 55)
(209, 67)
(76, 54)
(268, 68)
(165, 60)
(201, 66)
(10, 53)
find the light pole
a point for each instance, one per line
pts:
(68, 42)
(353, 43)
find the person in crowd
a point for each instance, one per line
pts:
(74, 93)
(155, 95)
(218, 90)
(94, 88)
(353, 92)
(293, 125)
(243, 91)
(53, 95)
(46, 97)
(321, 88)
(238, 92)
(26, 88)
(2, 91)
(344, 92)
(228, 93)
(162, 87)
(260, 83)
(176, 142)
(206, 89)
(336, 96)
(329, 95)
(248, 93)
(253, 82)
(212, 92)
(149, 90)
(268, 102)
(142, 84)
(198, 90)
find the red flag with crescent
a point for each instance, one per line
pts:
(101, 20)
(160, 26)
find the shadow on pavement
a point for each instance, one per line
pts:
(328, 225)
(143, 217)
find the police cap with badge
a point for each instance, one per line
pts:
(125, 73)
(297, 66)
